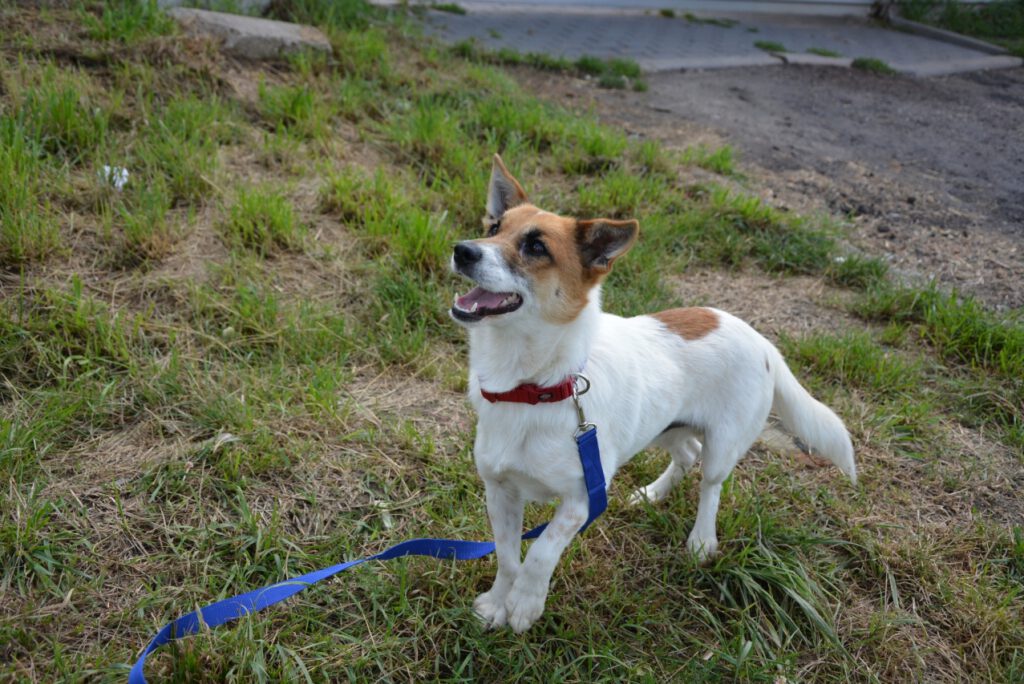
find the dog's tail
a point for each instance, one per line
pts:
(812, 421)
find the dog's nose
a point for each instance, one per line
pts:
(466, 253)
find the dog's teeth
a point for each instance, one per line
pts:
(475, 306)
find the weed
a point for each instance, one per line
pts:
(710, 21)
(667, 13)
(823, 52)
(588, 64)
(591, 148)
(60, 111)
(127, 21)
(180, 143)
(1001, 22)
(147, 232)
(35, 546)
(960, 328)
(333, 14)
(450, 7)
(770, 46)
(293, 109)
(873, 65)
(856, 360)
(261, 219)
(365, 57)
(28, 227)
(857, 271)
(719, 160)
(612, 81)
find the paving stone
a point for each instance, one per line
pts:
(249, 37)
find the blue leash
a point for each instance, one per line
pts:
(229, 609)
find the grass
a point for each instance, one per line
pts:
(719, 161)
(769, 46)
(711, 21)
(450, 7)
(261, 219)
(823, 52)
(615, 73)
(239, 367)
(873, 65)
(1000, 22)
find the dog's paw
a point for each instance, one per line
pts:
(639, 496)
(491, 609)
(702, 548)
(524, 607)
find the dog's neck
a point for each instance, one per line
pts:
(542, 353)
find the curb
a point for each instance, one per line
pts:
(653, 66)
(814, 60)
(960, 66)
(896, 21)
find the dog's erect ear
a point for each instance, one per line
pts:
(504, 192)
(602, 241)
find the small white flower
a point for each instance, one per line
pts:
(115, 175)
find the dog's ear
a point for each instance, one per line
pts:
(602, 241)
(503, 193)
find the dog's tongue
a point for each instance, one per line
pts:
(482, 298)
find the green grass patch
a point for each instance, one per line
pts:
(449, 7)
(262, 219)
(125, 21)
(178, 146)
(857, 271)
(855, 359)
(28, 223)
(720, 160)
(710, 21)
(873, 65)
(770, 46)
(823, 52)
(615, 73)
(1000, 22)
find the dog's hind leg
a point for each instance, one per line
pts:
(684, 447)
(723, 447)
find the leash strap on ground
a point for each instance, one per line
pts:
(229, 609)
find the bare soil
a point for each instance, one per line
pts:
(929, 172)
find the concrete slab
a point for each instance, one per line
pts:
(251, 38)
(660, 43)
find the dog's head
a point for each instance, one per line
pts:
(533, 262)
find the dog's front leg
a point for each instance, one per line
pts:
(505, 509)
(525, 602)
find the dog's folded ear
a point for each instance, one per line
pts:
(602, 241)
(503, 193)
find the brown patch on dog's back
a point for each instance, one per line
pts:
(691, 323)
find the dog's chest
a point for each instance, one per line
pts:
(535, 453)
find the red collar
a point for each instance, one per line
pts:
(532, 394)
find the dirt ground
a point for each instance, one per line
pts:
(929, 172)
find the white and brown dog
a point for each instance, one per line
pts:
(697, 382)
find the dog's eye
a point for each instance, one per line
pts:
(492, 229)
(535, 247)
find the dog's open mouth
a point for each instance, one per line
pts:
(479, 303)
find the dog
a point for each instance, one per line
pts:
(696, 382)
